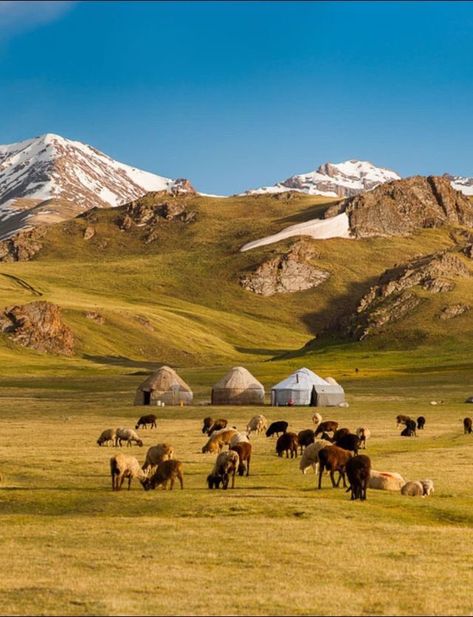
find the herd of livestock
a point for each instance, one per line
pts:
(326, 448)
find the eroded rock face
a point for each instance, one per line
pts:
(39, 326)
(23, 246)
(455, 310)
(404, 206)
(286, 273)
(393, 298)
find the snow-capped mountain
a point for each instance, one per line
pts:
(334, 180)
(50, 178)
(461, 183)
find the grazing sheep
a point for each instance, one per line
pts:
(238, 438)
(107, 436)
(145, 420)
(340, 432)
(400, 420)
(350, 442)
(128, 435)
(226, 464)
(358, 472)
(467, 425)
(156, 455)
(257, 424)
(408, 432)
(428, 487)
(211, 425)
(277, 427)
(329, 426)
(385, 481)
(219, 439)
(305, 438)
(243, 449)
(420, 423)
(123, 466)
(167, 471)
(411, 425)
(332, 459)
(287, 442)
(413, 489)
(363, 434)
(310, 458)
(316, 419)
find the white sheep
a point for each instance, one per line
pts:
(428, 486)
(107, 436)
(128, 435)
(157, 454)
(310, 456)
(385, 480)
(363, 434)
(238, 438)
(316, 419)
(123, 466)
(257, 424)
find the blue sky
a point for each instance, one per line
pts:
(235, 95)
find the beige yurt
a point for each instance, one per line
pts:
(163, 386)
(238, 387)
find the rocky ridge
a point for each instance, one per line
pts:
(287, 273)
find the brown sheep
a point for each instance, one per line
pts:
(467, 425)
(332, 459)
(287, 442)
(358, 470)
(156, 455)
(400, 420)
(243, 449)
(339, 433)
(211, 425)
(167, 471)
(305, 437)
(219, 439)
(329, 426)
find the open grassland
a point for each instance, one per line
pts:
(274, 545)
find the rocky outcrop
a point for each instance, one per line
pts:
(23, 246)
(94, 316)
(455, 310)
(286, 273)
(38, 325)
(393, 298)
(404, 206)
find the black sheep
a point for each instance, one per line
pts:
(467, 424)
(420, 423)
(350, 442)
(358, 471)
(277, 427)
(145, 420)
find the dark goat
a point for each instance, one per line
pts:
(339, 433)
(145, 420)
(211, 425)
(305, 438)
(467, 424)
(400, 420)
(407, 432)
(277, 427)
(332, 459)
(358, 471)
(349, 441)
(420, 423)
(287, 442)
(326, 427)
(243, 449)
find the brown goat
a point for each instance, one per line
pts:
(332, 459)
(243, 449)
(400, 420)
(329, 426)
(287, 442)
(339, 433)
(167, 471)
(211, 425)
(358, 470)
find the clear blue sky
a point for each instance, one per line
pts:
(237, 95)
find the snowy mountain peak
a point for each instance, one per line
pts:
(334, 180)
(51, 167)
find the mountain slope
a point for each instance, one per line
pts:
(50, 178)
(333, 180)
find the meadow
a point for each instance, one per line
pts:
(273, 545)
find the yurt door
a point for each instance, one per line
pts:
(146, 398)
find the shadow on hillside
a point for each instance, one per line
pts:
(123, 361)
(261, 352)
(313, 212)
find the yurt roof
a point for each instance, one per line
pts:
(302, 379)
(164, 379)
(238, 378)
